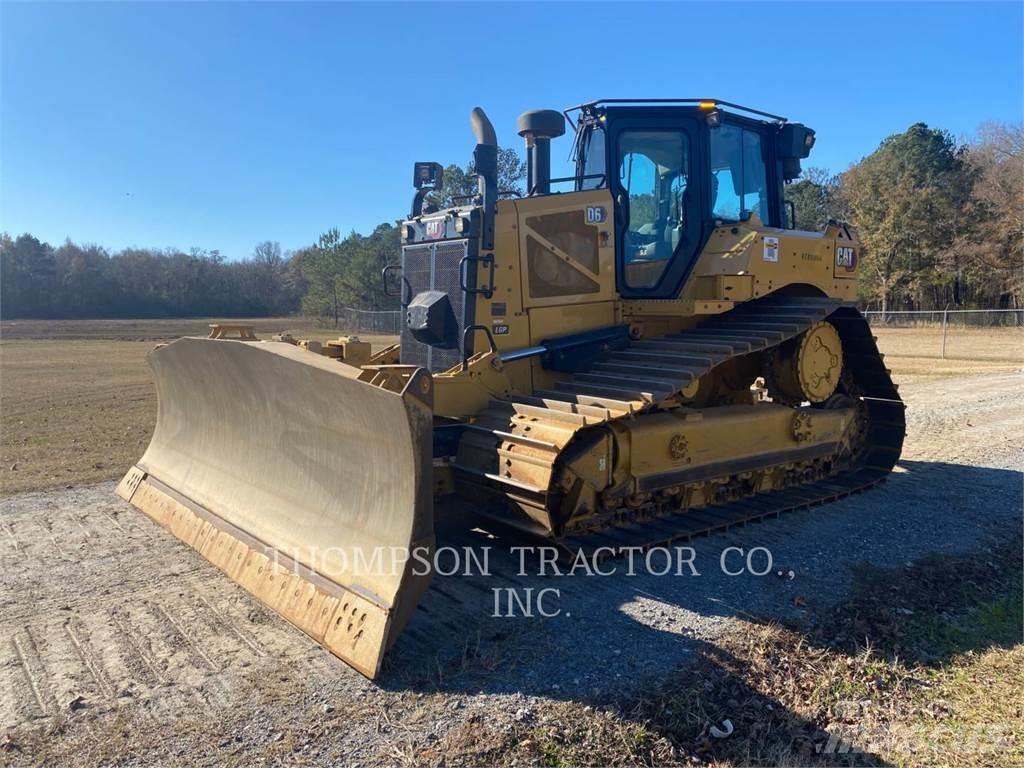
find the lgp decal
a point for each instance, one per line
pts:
(771, 249)
(846, 258)
(596, 214)
(499, 330)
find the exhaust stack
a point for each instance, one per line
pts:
(485, 159)
(539, 127)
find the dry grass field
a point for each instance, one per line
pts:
(76, 398)
(981, 345)
(928, 646)
(77, 402)
(160, 329)
(72, 411)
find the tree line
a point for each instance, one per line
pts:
(941, 220)
(86, 281)
(39, 280)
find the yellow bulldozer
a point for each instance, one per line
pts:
(645, 351)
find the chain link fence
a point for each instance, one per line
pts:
(378, 322)
(965, 334)
(961, 334)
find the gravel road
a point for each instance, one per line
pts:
(118, 642)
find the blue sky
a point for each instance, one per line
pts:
(218, 126)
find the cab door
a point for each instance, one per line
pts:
(656, 174)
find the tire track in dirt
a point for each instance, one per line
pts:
(219, 619)
(31, 665)
(121, 637)
(89, 658)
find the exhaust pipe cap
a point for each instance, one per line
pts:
(482, 128)
(541, 124)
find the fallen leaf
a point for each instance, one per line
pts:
(724, 732)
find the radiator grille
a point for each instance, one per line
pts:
(433, 267)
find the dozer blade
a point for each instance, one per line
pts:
(306, 486)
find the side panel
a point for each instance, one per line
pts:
(566, 247)
(773, 258)
(502, 312)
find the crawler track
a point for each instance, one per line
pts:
(523, 438)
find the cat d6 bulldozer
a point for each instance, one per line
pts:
(646, 350)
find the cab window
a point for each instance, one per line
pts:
(654, 168)
(738, 184)
(594, 165)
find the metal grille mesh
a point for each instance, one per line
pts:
(433, 267)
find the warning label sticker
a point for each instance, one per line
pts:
(771, 249)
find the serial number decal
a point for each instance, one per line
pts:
(846, 258)
(810, 256)
(771, 249)
(499, 330)
(596, 214)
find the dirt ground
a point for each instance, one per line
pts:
(120, 645)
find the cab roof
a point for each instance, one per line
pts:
(591, 106)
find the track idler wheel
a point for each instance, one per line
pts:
(806, 368)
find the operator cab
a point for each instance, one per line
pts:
(671, 171)
(677, 169)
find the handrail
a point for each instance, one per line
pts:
(465, 335)
(563, 179)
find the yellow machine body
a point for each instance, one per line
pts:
(543, 381)
(730, 270)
